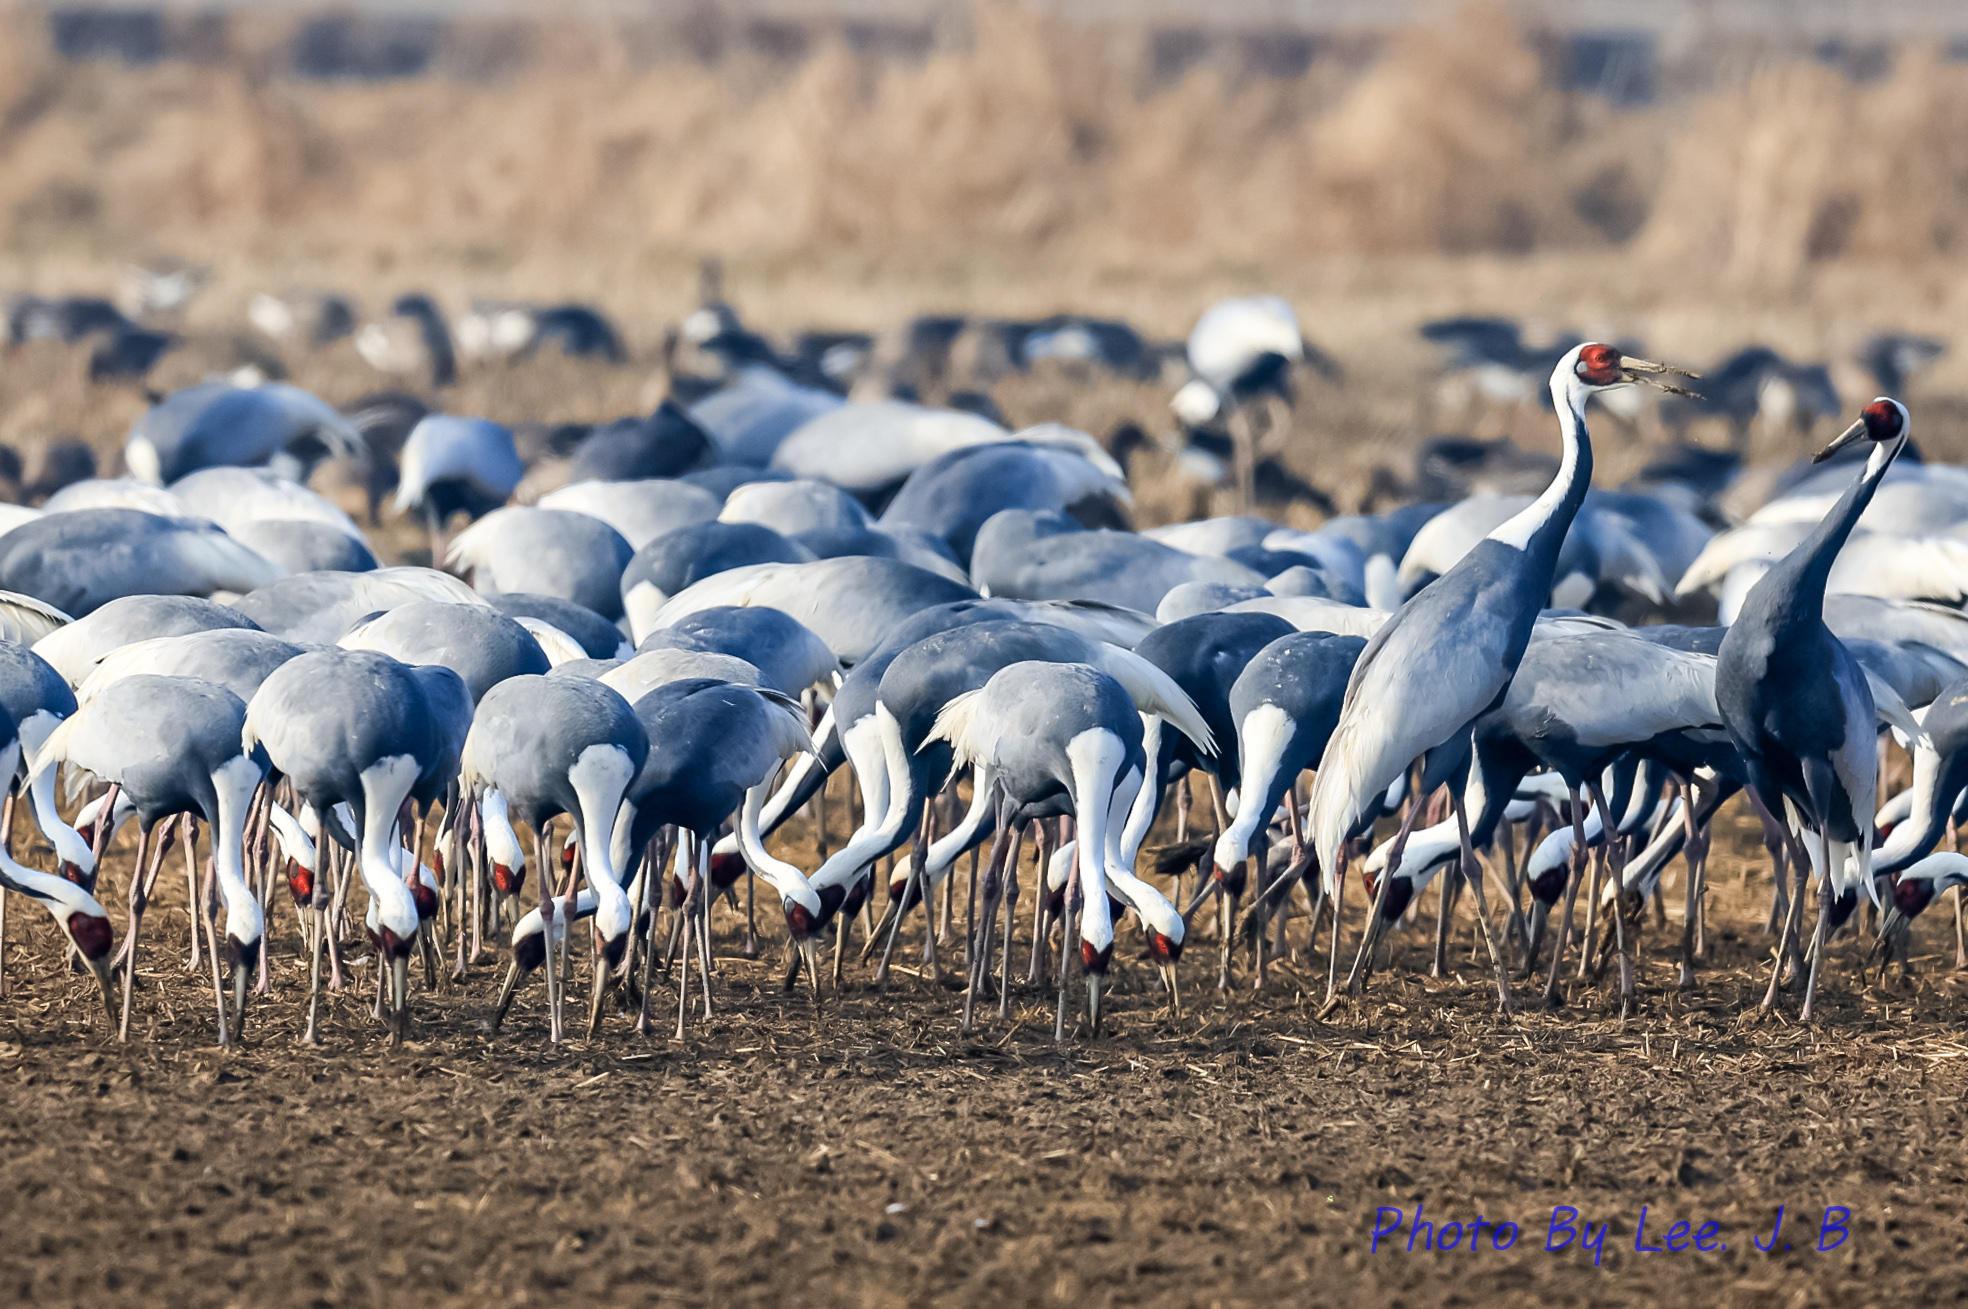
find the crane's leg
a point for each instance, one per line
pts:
(894, 927)
(1233, 888)
(1793, 920)
(1586, 941)
(690, 841)
(193, 904)
(842, 924)
(567, 906)
(1691, 859)
(542, 857)
(218, 986)
(1820, 941)
(317, 929)
(1068, 922)
(135, 929)
(979, 957)
(330, 926)
(7, 846)
(750, 949)
(260, 859)
(1472, 872)
(1362, 973)
(1777, 842)
(920, 863)
(1707, 835)
(1010, 917)
(1260, 858)
(1041, 907)
(970, 917)
(1444, 915)
(1338, 903)
(1616, 861)
(1552, 995)
(1513, 885)
(704, 924)
(652, 895)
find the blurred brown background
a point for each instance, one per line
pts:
(1689, 176)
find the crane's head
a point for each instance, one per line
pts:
(395, 947)
(1165, 929)
(245, 962)
(1599, 366)
(508, 880)
(86, 924)
(726, 869)
(1883, 421)
(300, 882)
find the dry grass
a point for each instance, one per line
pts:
(1040, 134)
(1034, 170)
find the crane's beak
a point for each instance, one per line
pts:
(1649, 373)
(604, 977)
(810, 952)
(1210, 887)
(1174, 992)
(879, 936)
(399, 998)
(1855, 432)
(1539, 911)
(100, 967)
(242, 977)
(1093, 985)
(506, 990)
(1891, 920)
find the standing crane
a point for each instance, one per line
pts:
(1797, 705)
(1449, 652)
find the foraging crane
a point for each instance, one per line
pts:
(1043, 731)
(1797, 704)
(1286, 703)
(82, 919)
(81, 561)
(714, 748)
(479, 644)
(893, 761)
(217, 424)
(562, 745)
(357, 728)
(545, 552)
(851, 603)
(1448, 653)
(172, 745)
(452, 464)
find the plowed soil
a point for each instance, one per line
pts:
(1236, 1154)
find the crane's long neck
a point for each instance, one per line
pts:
(234, 781)
(1539, 528)
(1795, 588)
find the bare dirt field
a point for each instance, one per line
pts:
(1240, 1153)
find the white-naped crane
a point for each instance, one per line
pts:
(454, 464)
(171, 746)
(1449, 652)
(563, 745)
(1056, 736)
(84, 923)
(358, 728)
(1798, 706)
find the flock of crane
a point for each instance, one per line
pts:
(729, 600)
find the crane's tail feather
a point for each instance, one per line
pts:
(1155, 692)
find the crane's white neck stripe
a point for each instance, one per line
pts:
(1517, 530)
